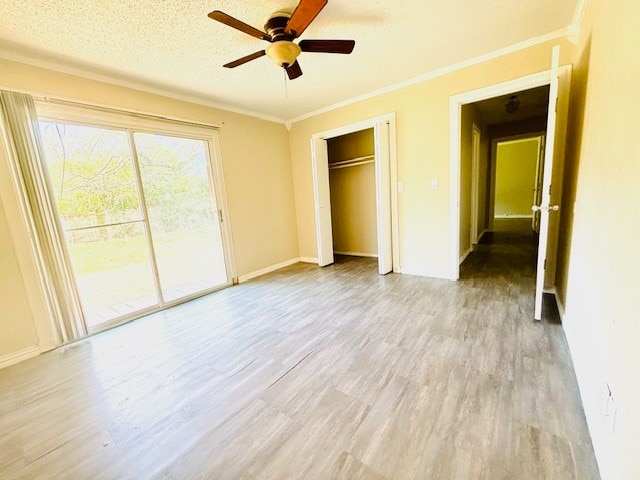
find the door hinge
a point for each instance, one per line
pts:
(545, 264)
(557, 98)
(220, 214)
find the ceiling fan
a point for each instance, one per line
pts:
(281, 28)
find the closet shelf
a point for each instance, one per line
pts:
(352, 162)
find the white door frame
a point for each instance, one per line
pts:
(475, 180)
(320, 161)
(455, 134)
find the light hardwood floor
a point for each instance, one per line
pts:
(314, 373)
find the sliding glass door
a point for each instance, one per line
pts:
(139, 214)
(182, 214)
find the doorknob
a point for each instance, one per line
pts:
(545, 208)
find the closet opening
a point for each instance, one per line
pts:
(355, 192)
(352, 185)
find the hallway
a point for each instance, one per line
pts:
(314, 373)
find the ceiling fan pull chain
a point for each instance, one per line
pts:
(286, 93)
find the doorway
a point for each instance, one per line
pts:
(384, 163)
(519, 163)
(557, 81)
(352, 185)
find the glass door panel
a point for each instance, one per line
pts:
(93, 180)
(113, 271)
(182, 211)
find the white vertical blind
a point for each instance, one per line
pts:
(20, 125)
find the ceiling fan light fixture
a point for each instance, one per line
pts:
(283, 52)
(512, 105)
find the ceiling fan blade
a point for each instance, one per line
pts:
(303, 15)
(327, 46)
(294, 71)
(246, 59)
(238, 25)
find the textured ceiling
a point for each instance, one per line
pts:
(172, 46)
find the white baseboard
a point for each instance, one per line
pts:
(357, 254)
(417, 273)
(269, 269)
(19, 356)
(512, 216)
(309, 259)
(465, 255)
(46, 346)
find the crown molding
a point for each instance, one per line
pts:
(571, 32)
(564, 32)
(58, 65)
(576, 24)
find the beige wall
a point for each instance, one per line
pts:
(353, 195)
(17, 330)
(257, 174)
(422, 113)
(516, 163)
(599, 256)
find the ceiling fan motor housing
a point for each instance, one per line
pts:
(275, 25)
(282, 50)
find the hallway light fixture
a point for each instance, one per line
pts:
(512, 105)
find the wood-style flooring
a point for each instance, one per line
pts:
(314, 373)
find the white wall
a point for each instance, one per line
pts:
(599, 262)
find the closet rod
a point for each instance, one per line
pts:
(352, 162)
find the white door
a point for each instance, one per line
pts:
(322, 197)
(537, 190)
(551, 181)
(383, 198)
